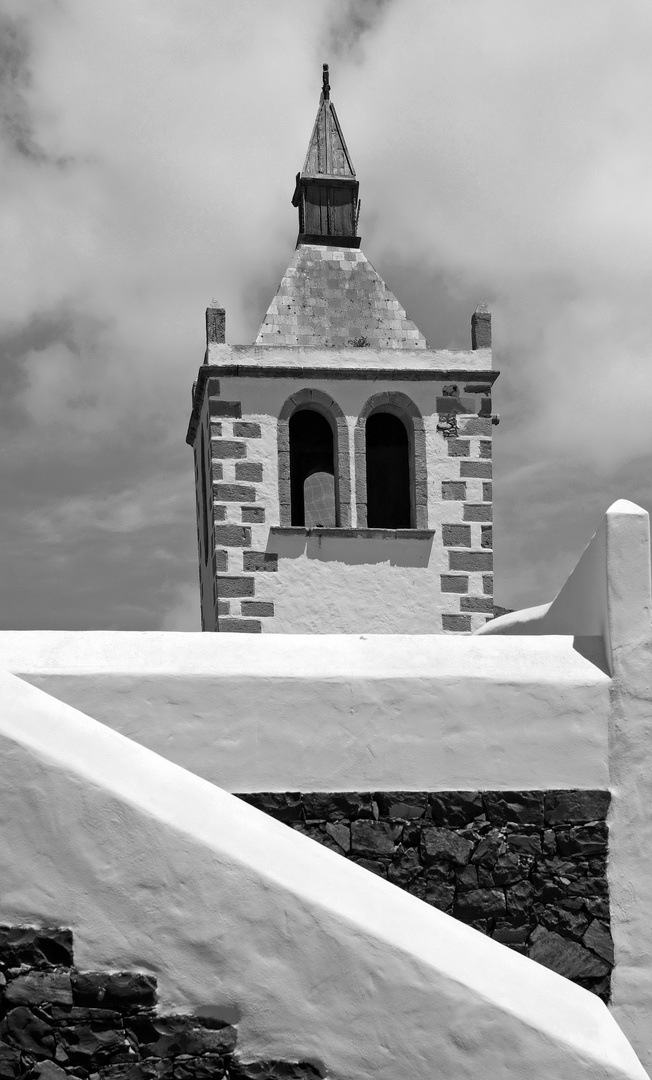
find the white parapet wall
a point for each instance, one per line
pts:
(606, 595)
(557, 697)
(609, 594)
(154, 868)
(338, 713)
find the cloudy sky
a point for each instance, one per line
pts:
(149, 149)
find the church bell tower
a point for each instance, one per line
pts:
(342, 467)
(326, 192)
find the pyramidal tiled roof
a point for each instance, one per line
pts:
(332, 296)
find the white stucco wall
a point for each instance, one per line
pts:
(377, 585)
(607, 594)
(628, 592)
(311, 713)
(330, 713)
(154, 868)
(582, 604)
(610, 593)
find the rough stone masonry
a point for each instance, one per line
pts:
(528, 868)
(57, 1021)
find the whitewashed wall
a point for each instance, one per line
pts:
(609, 593)
(524, 710)
(153, 867)
(339, 713)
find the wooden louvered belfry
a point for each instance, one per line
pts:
(326, 191)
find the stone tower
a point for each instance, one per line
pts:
(342, 468)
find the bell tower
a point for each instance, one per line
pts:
(342, 467)
(326, 192)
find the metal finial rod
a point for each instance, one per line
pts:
(326, 84)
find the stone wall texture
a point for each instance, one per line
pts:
(334, 296)
(56, 1021)
(528, 868)
(236, 474)
(243, 489)
(467, 431)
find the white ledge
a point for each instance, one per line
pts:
(380, 534)
(300, 356)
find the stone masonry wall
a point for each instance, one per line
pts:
(470, 542)
(57, 1021)
(234, 593)
(527, 868)
(236, 472)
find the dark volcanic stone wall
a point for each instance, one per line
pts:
(527, 868)
(56, 1021)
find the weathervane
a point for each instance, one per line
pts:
(327, 86)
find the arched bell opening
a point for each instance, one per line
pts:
(391, 468)
(389, 505)
(313, 485)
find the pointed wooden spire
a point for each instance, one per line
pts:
(326, 192)
(327, 153)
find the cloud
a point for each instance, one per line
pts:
(184, 613)
(545, 514)
(98, 558)
(153, 503)
(511, 153)
(351, 23)
(134, 145)
(148, 162)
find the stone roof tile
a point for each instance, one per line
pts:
(357, 303)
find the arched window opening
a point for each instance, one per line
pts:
(388, 472)
(312, 472)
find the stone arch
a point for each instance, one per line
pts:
(402, 406)
(324, 404)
